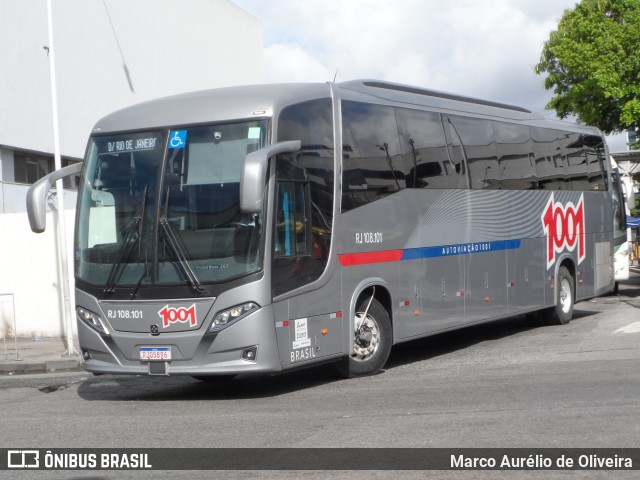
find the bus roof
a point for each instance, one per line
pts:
(260, 101)
(406, 94)
(205, 106)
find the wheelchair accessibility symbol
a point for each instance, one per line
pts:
(178, 139)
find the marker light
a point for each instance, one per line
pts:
(232, 315)
(92, 319)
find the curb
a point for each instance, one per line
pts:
(48, 366)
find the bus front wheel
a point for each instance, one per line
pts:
(562, 313)
(372, 340)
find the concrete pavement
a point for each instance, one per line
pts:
(36, 355)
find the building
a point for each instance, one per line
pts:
(628, 161)
(108, 54)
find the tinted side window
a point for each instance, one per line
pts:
(372, 164)
(291, 237)
(594, 151)
(426, 163)
(456, 154)
(312, 124)
(311, 168)
(575, 161)
(514, 147)
(546, 153)
(480, 151)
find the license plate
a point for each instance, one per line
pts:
(155, 354)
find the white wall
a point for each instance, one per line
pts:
(29, 272)
(170, 46)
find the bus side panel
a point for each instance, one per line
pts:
(604, 274)
(309, 325)
(442, 298)
(594, 274)
(585, 281)
(407, 283)
(481, 254)
(485, 293)
(526, 276)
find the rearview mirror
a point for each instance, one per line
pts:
(37, 194)
(254, 170)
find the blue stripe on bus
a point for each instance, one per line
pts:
(459, 249)
(386, 256)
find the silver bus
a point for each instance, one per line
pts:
(260, 229)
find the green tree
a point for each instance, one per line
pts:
(592, 62)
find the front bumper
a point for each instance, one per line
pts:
(192, 352)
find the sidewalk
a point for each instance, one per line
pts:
(42, 355)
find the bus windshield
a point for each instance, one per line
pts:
(163, 208)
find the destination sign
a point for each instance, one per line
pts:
(131, 143)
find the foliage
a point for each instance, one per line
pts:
(593, 64)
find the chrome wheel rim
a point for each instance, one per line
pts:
(366, 338)
(565, 295)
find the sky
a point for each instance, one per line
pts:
(480, 48)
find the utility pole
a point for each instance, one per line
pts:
(63, 263)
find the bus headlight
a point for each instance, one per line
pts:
(92, 319)
(231, 315)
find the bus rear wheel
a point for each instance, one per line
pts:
(562, 313)
(372, 340)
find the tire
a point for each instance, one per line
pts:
(562, 313)
(372, 343)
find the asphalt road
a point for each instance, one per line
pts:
(505, 384)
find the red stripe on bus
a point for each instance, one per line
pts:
(366, 258)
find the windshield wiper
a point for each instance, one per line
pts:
(182, 258)
(144, 275)
(131, 240)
